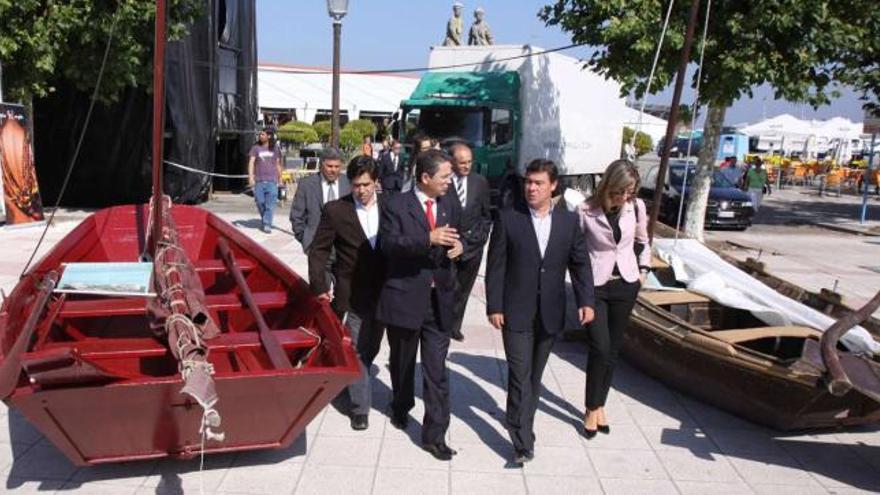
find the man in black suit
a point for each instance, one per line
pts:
(530, 249)
(391, 170)
(472, 191)
(350, 225)
(313, 192)
(419, 239)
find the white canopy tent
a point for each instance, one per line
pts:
(789, 134)
(309, 90)
(651, 125)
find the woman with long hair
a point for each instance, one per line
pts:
(615, 224)
(264, 172)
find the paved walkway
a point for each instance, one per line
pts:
(661, 441)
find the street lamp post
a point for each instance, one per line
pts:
(337, 10)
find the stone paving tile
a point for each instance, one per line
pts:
(478, 428)
(29, 486)
(338, 451)
(560, 461)
(834, 465)
(627, 464)
(409, 455)
(629, 437)
(99, 488)
(127, 474)
(392, 481)
(176, 476)
(464, 483)
(811, 488)
(620, 486)
(322, 480)
(42, 462)
(750, 441)
(688, 466)
(713, 488)
(662, 438)
(563, 485)
(482, 458)
(670, 415)
(772, 469)
(18, 431)
(266, 479)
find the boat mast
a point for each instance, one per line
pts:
(158, 124)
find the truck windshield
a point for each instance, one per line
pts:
(442, 123)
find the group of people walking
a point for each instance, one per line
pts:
(403, 263)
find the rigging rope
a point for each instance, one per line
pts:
(693, 121)
(79, 142)
(651, 75)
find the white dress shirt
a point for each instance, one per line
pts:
(325, 189)
(422, 198)
(368, 216)
(394, 159)
(542, 228)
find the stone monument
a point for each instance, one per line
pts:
(455, 26)
(480, 33)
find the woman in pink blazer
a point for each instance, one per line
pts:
(615, 224)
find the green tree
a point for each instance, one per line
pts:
(323, 130)
(790, 45)
(362, 127)
(42, 43)
(297, 132)
(644, 143)
(350, 138)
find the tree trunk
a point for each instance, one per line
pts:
(699, 190)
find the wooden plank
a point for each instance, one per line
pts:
(216, 266)
(131, 306)
(746, 334)
(665, 298)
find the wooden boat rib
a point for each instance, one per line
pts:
(724, 356)
(233, 352)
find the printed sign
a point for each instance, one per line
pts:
(21, 194)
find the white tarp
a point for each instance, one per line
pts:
(704, 272)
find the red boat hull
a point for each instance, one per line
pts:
(135, 409)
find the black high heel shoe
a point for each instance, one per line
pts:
(589, 433)
(606, 429)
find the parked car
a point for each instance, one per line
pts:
(728, 207)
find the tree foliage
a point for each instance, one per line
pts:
(644, 143)
(43, 42)
(323, 130)
(801, 48)
(350, 137)
(297, 132)
(362, 127)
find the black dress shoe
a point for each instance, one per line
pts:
(399, 421)
(523, 456)
(359, 422)
(440, 451)
(458, 336)
(606, 429)
(590, 433)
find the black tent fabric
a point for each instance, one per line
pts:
(202, 108)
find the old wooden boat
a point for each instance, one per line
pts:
(230, 352)
(772, 375)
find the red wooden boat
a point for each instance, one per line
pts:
(233, 353)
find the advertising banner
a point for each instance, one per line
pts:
(21, 195)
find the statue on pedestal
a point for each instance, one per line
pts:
(455, 26)
(480, 34)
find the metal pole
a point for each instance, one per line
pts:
(1, 82)
(866, 181)
(673, 116)
(334, 118)
(158, 111)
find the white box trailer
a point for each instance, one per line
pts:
(570, 114)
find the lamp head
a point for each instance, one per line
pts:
(337, 9)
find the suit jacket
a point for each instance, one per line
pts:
(359, 269)
(476, 215)
(517, 278)
(391, 179)
(604, 252)
(413, 263)
(305, 214)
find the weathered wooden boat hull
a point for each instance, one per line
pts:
(134, 409)
(785, 395)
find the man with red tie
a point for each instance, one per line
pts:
(419, 239)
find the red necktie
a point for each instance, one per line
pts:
(430, 213)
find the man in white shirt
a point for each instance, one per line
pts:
(313, 192)
(350, 226)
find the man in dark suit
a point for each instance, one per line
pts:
(391, 171)
(350, 225)
(419, 239)
(530, 249)
(313, 192)
(472, 191)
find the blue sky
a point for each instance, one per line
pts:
(383, 34)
